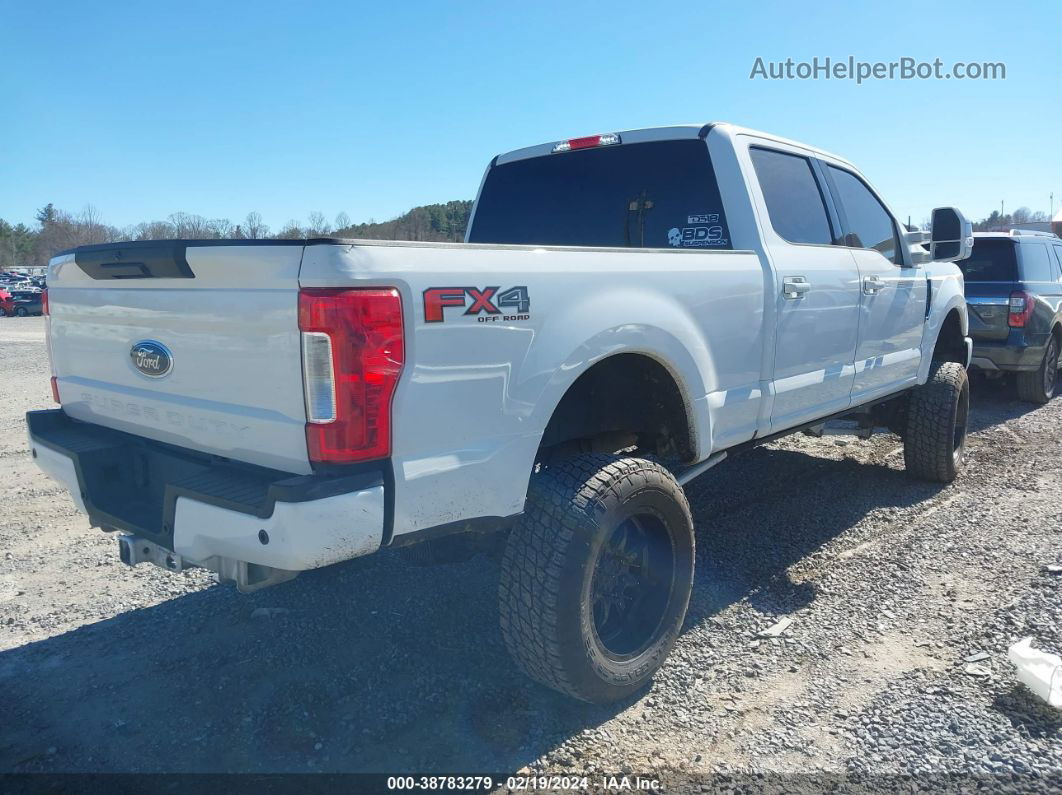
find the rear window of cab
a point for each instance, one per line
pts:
(659, 194)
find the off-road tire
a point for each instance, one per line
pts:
(1038, 386)
(937, 415)
(547, 591)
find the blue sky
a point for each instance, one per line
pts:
(144, 109)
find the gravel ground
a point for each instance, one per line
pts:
(376, 665)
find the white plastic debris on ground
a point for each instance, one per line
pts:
(776, 629)
(1039, 671)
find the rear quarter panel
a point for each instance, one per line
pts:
(476, 394)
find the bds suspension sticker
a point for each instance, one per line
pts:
(702, 230)
(487, 305)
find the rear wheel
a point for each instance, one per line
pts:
(1038, 386)
(21, 311)
(937, 416)
(597, 574)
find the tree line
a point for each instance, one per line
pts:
(998, 221)
(55, 230)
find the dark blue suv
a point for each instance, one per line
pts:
(1014, 294)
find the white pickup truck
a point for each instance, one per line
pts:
(628, 310)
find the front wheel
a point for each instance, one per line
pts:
(937, 416)
(596, 576)
(1039, 385)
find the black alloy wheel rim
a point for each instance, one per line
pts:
(631, 587)
(1051, 366)
(962, 416)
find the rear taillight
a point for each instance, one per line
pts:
(352, 355)
(55, 390)
(44, 302)
(1021, 309)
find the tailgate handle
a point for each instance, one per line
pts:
(124, 270)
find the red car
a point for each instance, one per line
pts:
(7, 305)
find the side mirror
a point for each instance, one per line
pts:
(951, 237)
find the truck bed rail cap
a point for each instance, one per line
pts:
(134, 245)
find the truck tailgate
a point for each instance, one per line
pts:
(194, 344)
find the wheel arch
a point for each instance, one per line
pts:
(615, 322)
(627, 392)
(950, 345)
(948, 307)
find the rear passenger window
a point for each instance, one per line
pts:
(1058, 258)
(1035, 263)
(869, 223)
(794, 201)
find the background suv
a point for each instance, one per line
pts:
(1014, 294)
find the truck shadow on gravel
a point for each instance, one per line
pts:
(377, 665)
(749, 536)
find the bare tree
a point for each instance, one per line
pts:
(156, 230)
(342, 221)
(89, 228)
(187, 225)
(253, 227)
(291, 230)
(316, 225)
(220, 228)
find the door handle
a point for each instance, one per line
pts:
(873, 284)
(795, 286)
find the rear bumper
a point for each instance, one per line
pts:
(1020, 351)
(210, 511)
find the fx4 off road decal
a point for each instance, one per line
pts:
(486, 305)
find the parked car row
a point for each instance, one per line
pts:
(20, 294)
(12, 279)
(21, 302)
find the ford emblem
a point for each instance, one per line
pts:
(151, 358)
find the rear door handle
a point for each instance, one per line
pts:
(794, 287)
(873, 284)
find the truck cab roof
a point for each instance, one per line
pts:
(667, 133)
